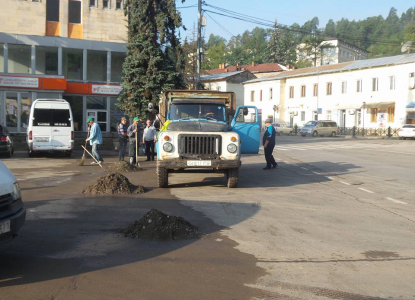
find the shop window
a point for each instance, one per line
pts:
(1, 58)
(359, 85)
(25, 104)
(76, 103)
(20, 59)
(74, 15)
(96, 102)
(97, 65)
(47, 60)
(73, 63)
(116, 114)
(373, 115)
(52, 10)
(391, 114)
(315, 90)
(270, 94)
(117, 60)
(291, 92)
(252, 96)
(118, 4)
(329, 87)
(11, 111)
(303, 91)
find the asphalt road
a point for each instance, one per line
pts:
(334, 221)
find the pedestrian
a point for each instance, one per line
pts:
(149, 139)
(95, 139)
(268, 141)
(122, 138)
(133, 131)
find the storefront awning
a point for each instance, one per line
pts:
(379, 105)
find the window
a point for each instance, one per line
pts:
(303, 91)
(1, 61)
(260, 95)
(329, 88)
(373, 115)
(218, 88)
(117, 60)
(328, 113)
(315, 90)
(20, 57)
(391, 82)
(76, 103)
(359, 85)
(291, 92)
(92, 3)
(411, 81)
(391, 114)
(118, 4)
(374, 84)
(52, 10)
(344, 87)
(73, 63)
(74, 12)
(105, 3)
(252, 96)
(96, 102)
(270, 94)
(303, 116)
(97, 65)
(47, 60)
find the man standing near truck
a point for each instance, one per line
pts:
(149, 138)
(133, 132)
(269, 143)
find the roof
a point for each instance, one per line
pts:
(261, 68)
(342, 67)
(219, 76)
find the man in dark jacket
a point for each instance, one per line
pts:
(268, 141)
(122, 138)
(133, 131)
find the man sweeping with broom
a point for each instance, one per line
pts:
(133, 133)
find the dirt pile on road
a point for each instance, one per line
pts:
(121, 166)
(111, 184)
(156, 225)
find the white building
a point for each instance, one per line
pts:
(370, 93)
(331, 51)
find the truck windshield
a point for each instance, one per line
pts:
(213, 112)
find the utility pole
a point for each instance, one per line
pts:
(199, 43)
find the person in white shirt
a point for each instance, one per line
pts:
(149, 139)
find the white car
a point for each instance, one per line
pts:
(407, 131)
(12, 211)
(282, 128)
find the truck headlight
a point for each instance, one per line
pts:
(232, 148)
(168, 147)
(16, 192)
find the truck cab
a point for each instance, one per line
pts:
(202, 131)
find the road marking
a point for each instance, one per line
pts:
(365, 190)
(277, 148)
(304, 168)
(346, 183)
(316, 173)
(331, 178)
(396, 201)
(285, 162)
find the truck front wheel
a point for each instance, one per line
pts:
(232, 176)
(162, 177)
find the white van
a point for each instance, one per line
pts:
(50, 127)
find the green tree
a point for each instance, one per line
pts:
(154, 61)
(330, 30)
(280, 47)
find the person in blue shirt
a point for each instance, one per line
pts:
(268, 141)
(95, 139)
(122, 138)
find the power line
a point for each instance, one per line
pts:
(226, 30)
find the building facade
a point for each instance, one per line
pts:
(66, 49)
(374, 93)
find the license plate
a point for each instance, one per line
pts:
(4, 227)
(42, 140)
(197, 163)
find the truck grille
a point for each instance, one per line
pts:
(199, 146)
(5, 201)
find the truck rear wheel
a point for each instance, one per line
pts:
(162, 177)
(232, 177)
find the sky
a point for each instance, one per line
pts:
(286, 12)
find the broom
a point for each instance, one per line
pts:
(81, 162)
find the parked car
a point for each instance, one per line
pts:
(51, 127)
(282, 128)
(407, 131)
(12, 211)
(319, 128)
(6, 142)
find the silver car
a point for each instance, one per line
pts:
(319, 128)
(282, 128)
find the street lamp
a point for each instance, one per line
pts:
(363, 120)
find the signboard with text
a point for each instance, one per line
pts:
(106, 89)
(21, 82)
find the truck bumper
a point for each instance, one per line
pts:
(181, 164)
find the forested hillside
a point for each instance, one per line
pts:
(378, 35)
